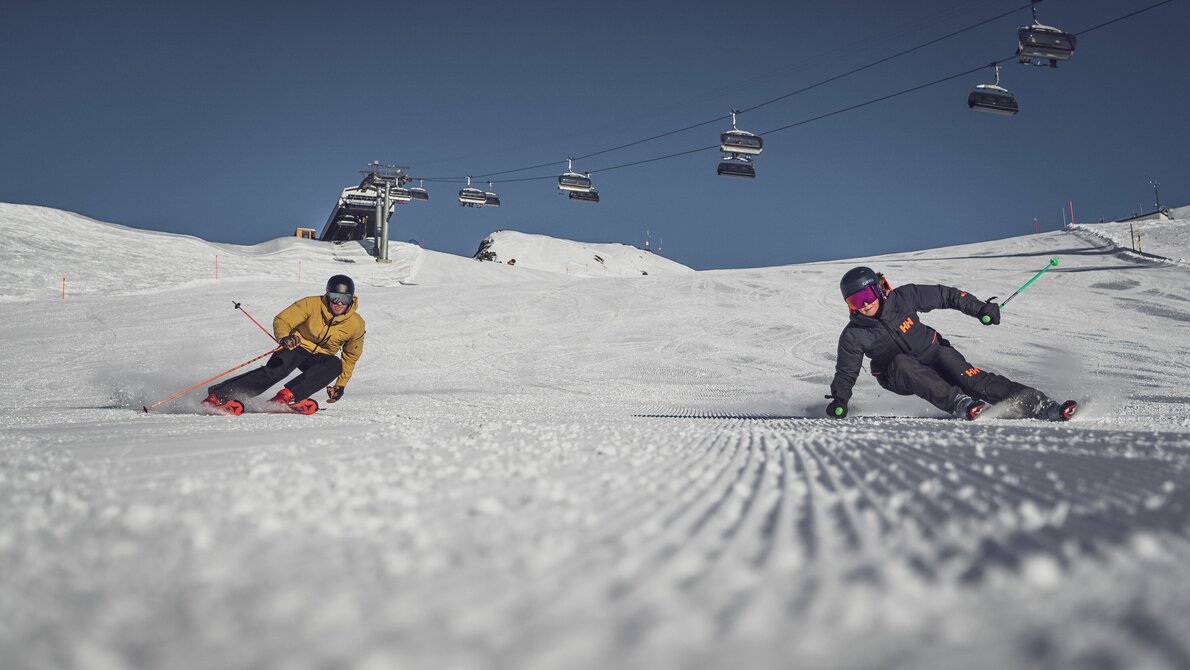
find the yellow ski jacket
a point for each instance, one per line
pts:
(322, 332)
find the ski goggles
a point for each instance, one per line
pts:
(339, 298)
(866, 295)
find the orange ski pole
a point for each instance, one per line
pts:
(266, 332)
(205, 381)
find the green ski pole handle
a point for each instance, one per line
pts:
(1053, 263)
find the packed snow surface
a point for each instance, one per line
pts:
(533, 470)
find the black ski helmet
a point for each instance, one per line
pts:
(340, 284)
(857, 279)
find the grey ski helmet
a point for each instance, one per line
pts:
(857, 279)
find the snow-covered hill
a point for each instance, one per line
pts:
(531, 470)
(577, 259)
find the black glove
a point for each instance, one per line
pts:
(989, 314)
(333, 393)
(289, 341)
(837, 409)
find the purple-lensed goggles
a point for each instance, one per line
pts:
(866, 295)
(339, 298)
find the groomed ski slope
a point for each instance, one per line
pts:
(531, 470)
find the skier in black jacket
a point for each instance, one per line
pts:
(911, 358)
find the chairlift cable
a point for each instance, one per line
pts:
(884, 60)
(1121, 18)
(804, 121)
(754, 107)
(875, 100)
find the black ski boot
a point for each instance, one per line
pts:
(967, 407)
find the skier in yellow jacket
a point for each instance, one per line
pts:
(312, 331)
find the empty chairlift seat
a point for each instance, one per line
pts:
(419, 193)
(733, 167)
(994, 99)
(490, 197)
(585, 196)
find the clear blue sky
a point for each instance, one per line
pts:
(237, 122)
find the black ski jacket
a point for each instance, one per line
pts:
(896, 329)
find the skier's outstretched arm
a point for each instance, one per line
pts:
(928, 297)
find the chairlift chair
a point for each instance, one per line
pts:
(401, 194)
(470, 196)
(490, 198)
(419, 192)
(572, 181)
(736, 166)
(740, 146)
(1043, 42)
(585, 196)
(993, 98)
(736, 141)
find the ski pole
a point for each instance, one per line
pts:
(1053, 263)
(161, 402)
(266, 332)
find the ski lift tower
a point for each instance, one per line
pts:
(384, 178)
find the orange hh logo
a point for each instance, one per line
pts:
(972, 372)
(906, 325)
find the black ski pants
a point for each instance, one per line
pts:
(942, 374)
(318, 371)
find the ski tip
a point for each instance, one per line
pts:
(146, 409)
(1054, 260)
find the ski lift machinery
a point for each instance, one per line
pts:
(993, 98)
(469, 196)
(739, 146)
(1043, 42)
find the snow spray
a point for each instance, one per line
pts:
(146, 408)
(1053, 263)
